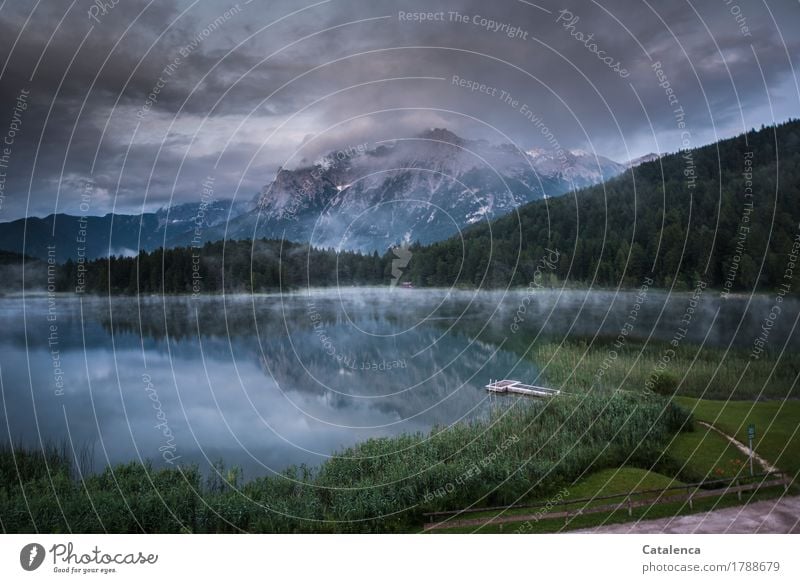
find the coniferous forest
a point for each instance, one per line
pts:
(679, 219)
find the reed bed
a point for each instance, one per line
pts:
(523, 449)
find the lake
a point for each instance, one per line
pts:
(271, 380)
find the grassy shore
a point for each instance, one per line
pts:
(382, 485)
(593, 442)
(697, 455)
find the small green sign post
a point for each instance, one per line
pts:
(751, 435)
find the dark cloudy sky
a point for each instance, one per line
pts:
(261, 84)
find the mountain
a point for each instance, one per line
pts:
(422, 189)
(213, 213)
(71, 237)
(582, 167)
(725, 214)
(642, 159)
(730, 224)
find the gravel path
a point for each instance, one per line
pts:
(769, 516)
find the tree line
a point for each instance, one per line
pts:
(233, 266)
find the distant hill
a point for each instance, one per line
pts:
(113, 234)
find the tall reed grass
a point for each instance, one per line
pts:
(710, 373)
(523, 449)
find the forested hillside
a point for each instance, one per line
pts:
(683, 217)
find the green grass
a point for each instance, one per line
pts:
(697, 455)
(712, 373)
(777, 434)
(612, 481)
(620, 516)
(622, 480)
(703, 454)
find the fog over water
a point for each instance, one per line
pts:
(271, 380)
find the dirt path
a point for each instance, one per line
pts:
(780, 516)
(768, 467)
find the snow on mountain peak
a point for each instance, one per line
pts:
(642, 159)
(580, 153)
(536, 152)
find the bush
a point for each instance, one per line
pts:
(665, 384)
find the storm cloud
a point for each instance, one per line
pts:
(142, 101)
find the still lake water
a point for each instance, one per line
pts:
(272, 380)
